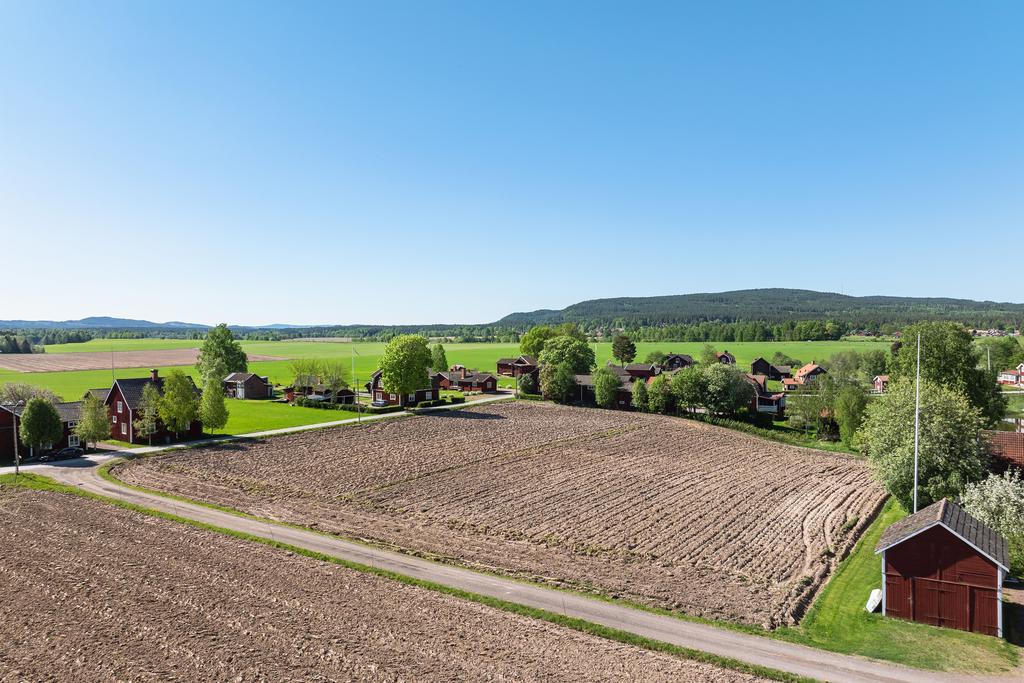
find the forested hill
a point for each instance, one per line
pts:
(774, 306)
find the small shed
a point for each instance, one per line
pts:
(943, 567)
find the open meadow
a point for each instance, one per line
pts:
(666, 512)
(97, 592)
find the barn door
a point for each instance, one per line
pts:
(984, 610)
(942, 603)
(898, 598)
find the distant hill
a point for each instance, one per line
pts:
(772, 305)
(97, 322)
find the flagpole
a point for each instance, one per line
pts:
(917, 416)
(355, 384)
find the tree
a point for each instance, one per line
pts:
(532, 343)
(220, 353)
(640, 395)
(405, 364)
(148, 420)
(779, 358)
(1004, 352)
(874, 363)
(570, 330)
(13, 393)
(179, 405)
(850, 403)
(689, 387)
(213, 413)
(998, 501)
(708, 355)
(40, 424)
(950, 358)
(306, 371)
(438, 358)
(528, 384)
(656, 358)
(93, 422)
(659, 395)
(606, 386)
(623, 349)
(558, 383)
(725, 389)
(570, 351)
(951, 454)
(333, 374)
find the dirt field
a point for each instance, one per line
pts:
(60, 362)
(663, 511)
(94, 592)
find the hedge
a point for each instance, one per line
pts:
(531, 397)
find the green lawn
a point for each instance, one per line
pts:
(838, 622)
(1016, 405)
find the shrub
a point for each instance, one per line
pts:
(531, 397)
(998, 501)
(458, 399)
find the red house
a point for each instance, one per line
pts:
(10, 422)
(765, 401)
(943, 567)
(461, 379)
(677, 361)
(517, 367)
(380, 393)
(809, 373)
(644, 370)
(880, 383)
(123, 407)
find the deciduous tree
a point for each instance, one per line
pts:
(221, 353)
(19, 392)
(850, 403)
(306, 371)
(659, 396)
(656, 358)
(148, 420)
(640, 395)
(438, 358)
(951, 454)
(179, 405)
(725, 389)
(40, 424)
(532, 343)
(623, 349)
(93, 422)
(606, 386)
(689, 387)
(558, 383)
(570, 351)
(333, 374)
(405, 364)
(213, 412)
(998, 501)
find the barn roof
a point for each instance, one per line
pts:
(239, 376)
(101, 394)
(948, 514)
(1006, 446)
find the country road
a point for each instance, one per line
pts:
(752, 649)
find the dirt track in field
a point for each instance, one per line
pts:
(99, 360)
(659, 510)
(94, 592)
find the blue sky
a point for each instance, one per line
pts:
(454, 162)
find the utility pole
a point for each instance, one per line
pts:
(17, 457)
(917, 416)
(355, 385)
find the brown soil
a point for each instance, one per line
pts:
(93, 592)
(659, 510)
(99, 360)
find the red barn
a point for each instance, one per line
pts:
(943, 567)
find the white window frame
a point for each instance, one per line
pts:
(428, 396)
(72, 424)
(120, 407)
(124, 429)
(73, 440)
(115, 419)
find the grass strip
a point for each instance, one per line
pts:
(41, 483)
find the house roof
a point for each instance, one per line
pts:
(526, 360)
(69, 412)
(783, 369)
(759, 382)
(809, 368)
(506, 361)
(792, 380)
(101, 394)
(132, 388)
(883, 378)
(1006, 446)
(948, 514)
(241, 376)
(683, 356)
(641, 366)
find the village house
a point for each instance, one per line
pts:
(809, 373)
(123, 402)
(1014, 377)
(880, 383)
(517, 367)
(460, 379)
(791, 383)
(765, 401)
(585, 393)
(725, 358)
(677, 361)
(943, 567)
(381, 395)
(248, 386)
(641, 370)
(10, 423)
(773, 372)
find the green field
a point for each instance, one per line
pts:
(71, 385)
(838, 622)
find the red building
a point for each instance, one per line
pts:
(380, 394)
(644, 370)
(880, 383)
(10, 422)
(247, 385)
(123, 403)
(461, 379)
(763, 400)
(943, 567)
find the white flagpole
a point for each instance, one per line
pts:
(355, 384)
(917, 416)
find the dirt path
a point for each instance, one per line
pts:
(796, 659)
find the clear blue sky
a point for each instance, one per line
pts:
(453, 162)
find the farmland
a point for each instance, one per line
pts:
(96, 592)
(665, 512)
(66, 362)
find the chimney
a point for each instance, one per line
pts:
(154, 374)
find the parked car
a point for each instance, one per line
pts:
(380, 404)
(62, 454)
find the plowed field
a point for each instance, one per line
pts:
(93, 592)
(62, 362)
(667, 512)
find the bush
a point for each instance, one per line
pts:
(998, 501)
(436, 402)
(458, 399)
(531, 397)
(327, 405)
